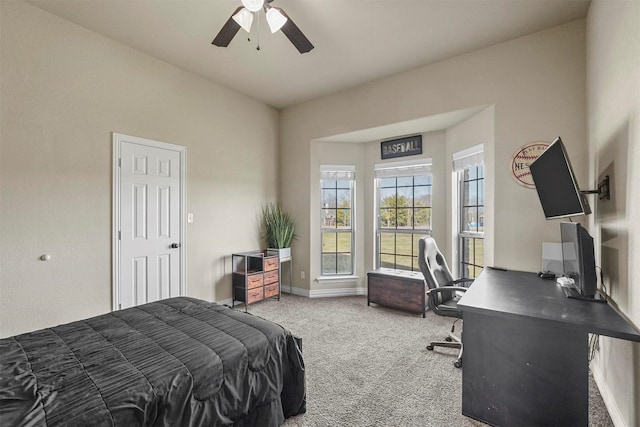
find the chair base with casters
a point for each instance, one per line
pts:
(444, 291)
(451, 341)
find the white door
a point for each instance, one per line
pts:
(149, 231)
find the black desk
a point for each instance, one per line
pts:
(526, 350)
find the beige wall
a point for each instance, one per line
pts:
(613, 95)
(536, 85)
(64, 90)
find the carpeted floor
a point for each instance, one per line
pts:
(368, 366)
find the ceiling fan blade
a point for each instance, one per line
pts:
(293, 33)
(228, 31)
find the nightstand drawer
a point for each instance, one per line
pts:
(271, 290)
(270, 277)
(254, 295)
(271, 263)
(254, 281)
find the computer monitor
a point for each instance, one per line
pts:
(556, 184)
(578, 259)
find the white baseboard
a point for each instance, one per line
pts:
(227, 301)
(339, 292)
(294, 291)
(318, 293)
(325, 293)
(607, 396)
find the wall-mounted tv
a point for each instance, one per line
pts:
(556, 183)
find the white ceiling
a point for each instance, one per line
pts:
(356, 41)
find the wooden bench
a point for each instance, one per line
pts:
(405, 290)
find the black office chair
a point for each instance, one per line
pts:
(444, 292)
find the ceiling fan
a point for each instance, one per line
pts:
(277, 19)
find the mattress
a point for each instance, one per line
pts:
(174, 362)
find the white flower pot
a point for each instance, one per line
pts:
(283, 253)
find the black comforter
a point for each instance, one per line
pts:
(175, 362)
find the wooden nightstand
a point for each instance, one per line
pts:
(255, 276)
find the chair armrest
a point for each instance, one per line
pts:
(463, 280)
(447, 289)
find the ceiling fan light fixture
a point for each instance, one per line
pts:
(253, 5)
(244, 18)
(275, 19)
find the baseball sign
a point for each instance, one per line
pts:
(521, 160)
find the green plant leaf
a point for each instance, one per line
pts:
(278, 226)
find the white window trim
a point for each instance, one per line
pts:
(398, 169)
(468, 157)
(461, 160)
(338, 172)
(402, 169)
(344, 173)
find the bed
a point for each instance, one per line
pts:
(174, 362)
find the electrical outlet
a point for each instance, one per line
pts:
(190, 218)
(302, 275)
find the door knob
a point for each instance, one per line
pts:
(174, 245)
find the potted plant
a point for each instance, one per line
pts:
(278, 229)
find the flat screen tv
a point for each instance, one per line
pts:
(556, 183)
(578, 259)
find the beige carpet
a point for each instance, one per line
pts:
(368, 366)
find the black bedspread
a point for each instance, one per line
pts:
(175, 362)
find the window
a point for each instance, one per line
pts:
(469, 172)
(337, 187)
(404, 212)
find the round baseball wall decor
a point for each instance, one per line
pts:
(521, 160)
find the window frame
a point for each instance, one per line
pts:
(462, 162)
(398, 171)
(337, 173)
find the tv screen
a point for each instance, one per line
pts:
(578, 259)
(556, 184)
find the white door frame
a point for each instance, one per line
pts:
(119, 138)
